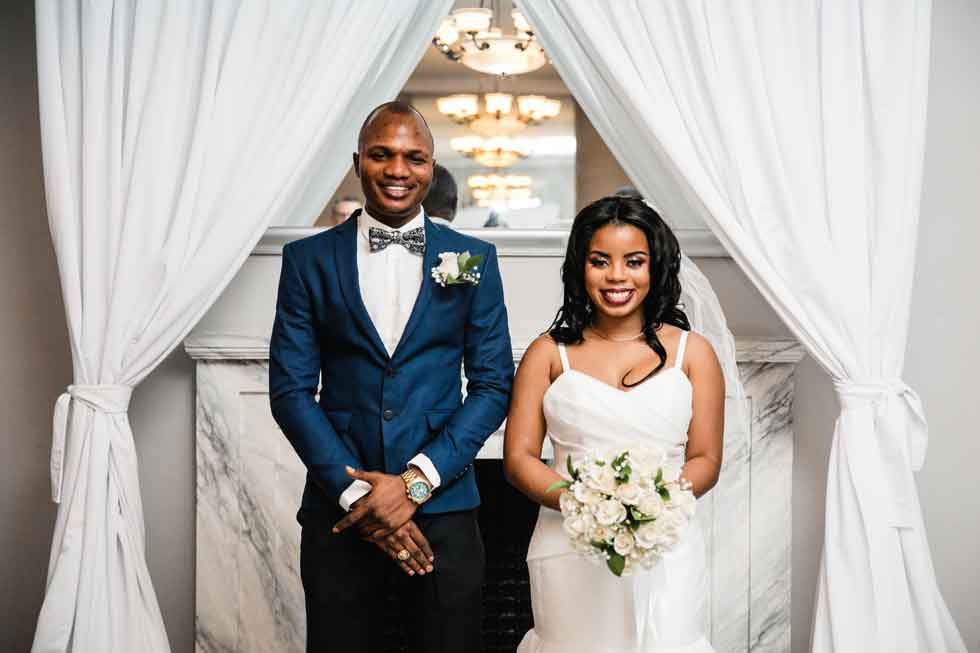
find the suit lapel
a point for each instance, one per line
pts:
(434, 244)
(345, 254)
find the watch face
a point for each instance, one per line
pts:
(418, 491)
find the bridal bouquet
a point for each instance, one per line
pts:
(624, 507)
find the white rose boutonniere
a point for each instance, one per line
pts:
(455, 269)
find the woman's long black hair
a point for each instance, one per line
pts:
(660, 306)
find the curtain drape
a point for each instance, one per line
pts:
(173, 134)
(796, 131)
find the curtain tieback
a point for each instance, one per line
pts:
(900, 434)
(106, 399)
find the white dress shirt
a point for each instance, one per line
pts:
(390, 281)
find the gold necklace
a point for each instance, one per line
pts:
(612, 339)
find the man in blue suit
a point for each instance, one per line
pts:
(391, 497)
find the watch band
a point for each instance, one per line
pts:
(411, 476)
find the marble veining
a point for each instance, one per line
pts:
(249, 483)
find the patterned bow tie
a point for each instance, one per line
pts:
(413, 240)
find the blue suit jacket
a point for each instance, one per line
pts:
(376, 412)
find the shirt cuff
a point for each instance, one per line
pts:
(354, 491)
(423, 463)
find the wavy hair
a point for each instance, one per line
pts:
(660, 306)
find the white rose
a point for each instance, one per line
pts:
(584, 495)
(578, 525)
(646, 462)
(670, 524)
(650, 505)
(623, 543)
(628, 493)
(568, 503)
(671, 475)
(602, 479)
(646, 536)
(600, 533)
(610, 512)
(449, 264)
(684, 501)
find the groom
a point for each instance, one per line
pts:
(390, 499)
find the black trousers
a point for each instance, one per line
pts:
(347, 581)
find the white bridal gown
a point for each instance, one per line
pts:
(579, 606)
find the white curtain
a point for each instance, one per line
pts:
(796, 130)
(173, 134)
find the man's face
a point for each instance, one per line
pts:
(395, 166)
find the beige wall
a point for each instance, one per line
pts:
(597, 172)
(34, 353)
(942, 361)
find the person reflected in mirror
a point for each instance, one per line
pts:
(340, 211)
(443, 198)
(494, 221)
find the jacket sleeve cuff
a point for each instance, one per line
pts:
(425, 465)
(354, 491)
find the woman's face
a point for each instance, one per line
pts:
(617, 270)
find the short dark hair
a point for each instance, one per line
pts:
(397, 107)
(443, 195)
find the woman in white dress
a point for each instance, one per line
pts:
(619, 366)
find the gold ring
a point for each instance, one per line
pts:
(404, 555)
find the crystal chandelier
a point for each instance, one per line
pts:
(510, 191)
(493, 152)
(467, 35)
(498, 119)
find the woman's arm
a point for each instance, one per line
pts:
(704, 437)
(526, 425)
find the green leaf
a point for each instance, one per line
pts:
(472, 262)
(660, 476)
(559, 485)
(620, 459)
(639, 517)
(461, 260)
(624, 473)
(571, 470)
(616, 564)
(664, 493)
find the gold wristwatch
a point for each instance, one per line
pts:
(417, 488)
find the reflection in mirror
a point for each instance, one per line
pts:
(516, 176)
(522, 153)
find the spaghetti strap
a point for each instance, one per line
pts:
(680, 349)
(564, 357)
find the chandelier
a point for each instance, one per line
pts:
(510, 191)
(498, 119)
(493, 152)
(467, 35)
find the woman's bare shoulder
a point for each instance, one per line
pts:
(542, 350)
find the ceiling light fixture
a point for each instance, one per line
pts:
(498, 118)
(468, 36)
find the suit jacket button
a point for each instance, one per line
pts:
(388, 415)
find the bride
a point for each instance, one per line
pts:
(619, 366)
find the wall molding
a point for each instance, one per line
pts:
(538, 243)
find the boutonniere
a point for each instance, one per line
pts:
(454, 269)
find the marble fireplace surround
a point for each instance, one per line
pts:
(249, 481)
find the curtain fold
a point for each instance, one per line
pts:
(796, 132)
(173, 135)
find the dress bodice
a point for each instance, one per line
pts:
(584, 413)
